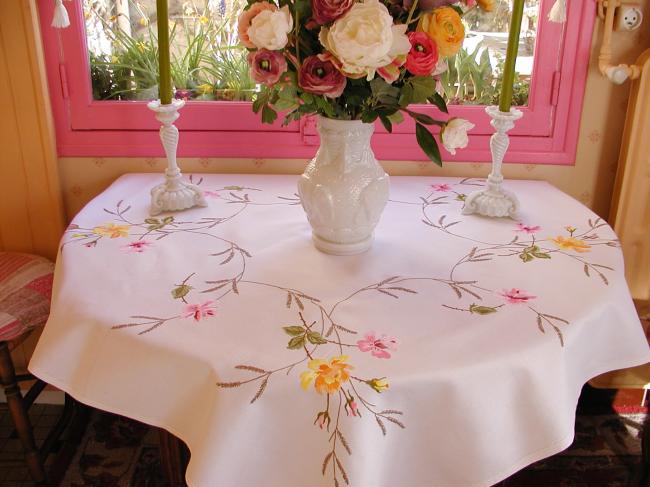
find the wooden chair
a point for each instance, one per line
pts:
(25, 292)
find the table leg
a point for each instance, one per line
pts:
(19, 415)
(643, 476)
(172, 457)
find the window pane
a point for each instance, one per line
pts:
(207, 63)
(474, 73)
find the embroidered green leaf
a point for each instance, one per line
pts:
(233, 188)
(526, 256)
(293, 330)
(542, 255)
(152, 221)
(181, 291)
(168, 219)
(296, 342)
(461, 197)
(315, 338)
(482, 310)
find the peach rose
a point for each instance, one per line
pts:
(247, 17)
(446, 28)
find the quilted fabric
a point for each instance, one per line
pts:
(25, 292)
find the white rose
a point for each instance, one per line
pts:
(454, 134)
(269, 29)
(365, 39)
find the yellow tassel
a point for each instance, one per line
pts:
(558, 12)
(61, 19)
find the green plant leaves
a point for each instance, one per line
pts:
(417, 90)
(427, 143)
(268, 114)
(439, 102)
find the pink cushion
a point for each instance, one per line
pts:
(25, 293)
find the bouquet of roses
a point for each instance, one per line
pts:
(356, 60)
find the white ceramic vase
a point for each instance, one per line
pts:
(344, 189)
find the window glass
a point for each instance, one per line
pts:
(474, 73)
(208, 64)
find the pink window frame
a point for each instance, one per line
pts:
(547, 134)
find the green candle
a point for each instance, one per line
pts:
(505, 99)
(165, 83)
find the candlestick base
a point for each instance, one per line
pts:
(174, 194)
(494, 201)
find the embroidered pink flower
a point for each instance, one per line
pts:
(441, 188)
(527, 228)
(212, 194)
(136, 247)
(516, 296)
(353, 408)
(199, 311)
(378, 346)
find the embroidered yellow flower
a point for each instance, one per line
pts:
(379, 385)
(571, 243)
(326, 375)
(141, 46)
(112, 230)
(446, 28)
(204, 20)
(144, 21)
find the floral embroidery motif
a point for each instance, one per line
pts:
(441, 188)
(199, 311)
(136, 247)
(326, 375)
(112, 230)
(571, 243)
(529, 229)
(516, 296)
(378, 346)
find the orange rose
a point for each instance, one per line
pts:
(487, 5)
(446, 28)
(247, 17)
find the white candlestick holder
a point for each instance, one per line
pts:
(174, 194)
(494, 201)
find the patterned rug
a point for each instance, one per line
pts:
(117, 452)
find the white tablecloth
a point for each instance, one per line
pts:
(450, 354)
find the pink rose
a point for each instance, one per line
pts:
(245, 19)
(267, 66)
(326, 11)
(320, 77)
(423, 56)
